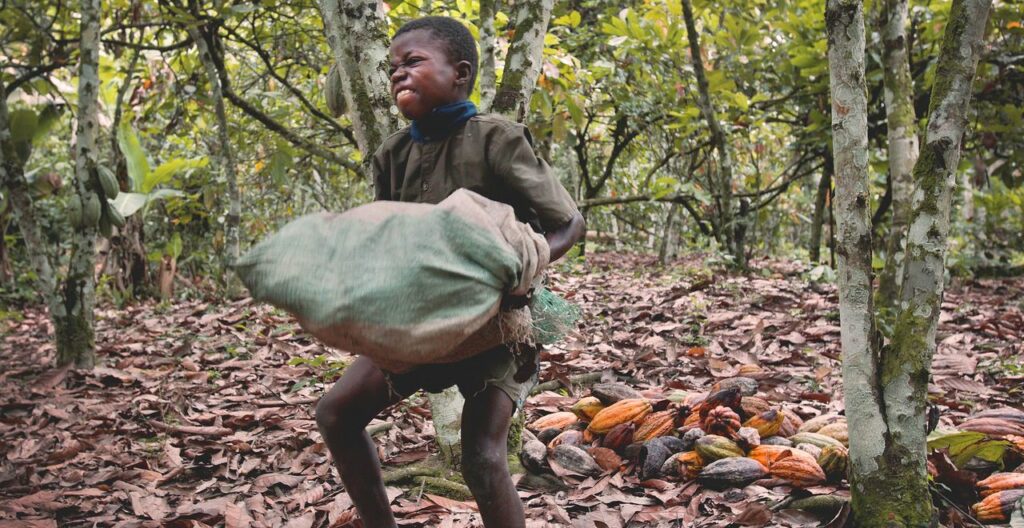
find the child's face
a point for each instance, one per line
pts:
(422, 75)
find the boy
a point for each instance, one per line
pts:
(447, 147)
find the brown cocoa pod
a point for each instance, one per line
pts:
(753, 406)
(619, 436)
(790, 424)
(547, 435)
(575, 460)
(747, 386)
(731, 472)
(1003, 413)
(993, 426)
(570, 437)
(610, 393)
(534, 456)
(651, 457)
(812, 425)
(724, 398)
(672, 443)
(606, 459)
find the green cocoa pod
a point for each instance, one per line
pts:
(108, 182)
(116, 217)
(106, 228)
(334, 92)
(74, 211)
(91, 210)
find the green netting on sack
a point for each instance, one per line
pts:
(553, 316)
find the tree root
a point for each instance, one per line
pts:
(430, 477)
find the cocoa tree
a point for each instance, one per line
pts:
(73, 316)
(902, 136)
(886, 384)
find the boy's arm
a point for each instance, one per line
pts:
(563, 238)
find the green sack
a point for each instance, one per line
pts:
(402, 283)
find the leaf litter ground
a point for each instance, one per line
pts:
(201, 413)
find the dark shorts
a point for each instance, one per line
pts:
(510, 368)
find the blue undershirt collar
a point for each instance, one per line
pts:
(442, 121)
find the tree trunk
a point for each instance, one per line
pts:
(885, 388)
(127, 262)
(820, 203)
(357, 34)
(488, 40)
(729, 231)
(12, 178)
(669, 238)
(903, 146)
(74, 316)
(524, 59)
(224, 159)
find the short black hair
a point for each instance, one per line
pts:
(458, 41)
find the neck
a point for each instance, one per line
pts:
(442, 121)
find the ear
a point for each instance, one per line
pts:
(463, 71)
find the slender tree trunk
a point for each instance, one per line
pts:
(488, 41)
(131, 272)
(885, 387)
(74, 316)
(12, 179)
(728, 228)
(524, 59)
(903, 146)
(670, 236)
(820, 205)
(357, 34)
(222, 154)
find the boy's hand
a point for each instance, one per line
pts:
(561, 239)
(515, 302)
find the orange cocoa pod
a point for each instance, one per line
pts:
(558, 420)
(623, 411)
(587, 408)
(997, 506)
(654, 425)
(767, 423)
(768, 454)
(722, 421)
(692, 421)
(1000, 481)
(798, 471)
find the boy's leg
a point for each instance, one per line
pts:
(342, 415)
(485, 422)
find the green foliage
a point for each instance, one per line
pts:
(325, 369)
(965, 445)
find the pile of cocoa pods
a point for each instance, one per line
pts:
(730, 437)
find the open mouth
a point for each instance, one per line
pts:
(402, 94)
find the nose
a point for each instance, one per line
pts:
(397, 75)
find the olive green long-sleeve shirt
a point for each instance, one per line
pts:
(489, 155)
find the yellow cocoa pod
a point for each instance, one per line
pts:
(587, 408)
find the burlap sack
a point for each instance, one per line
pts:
(403, 283)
